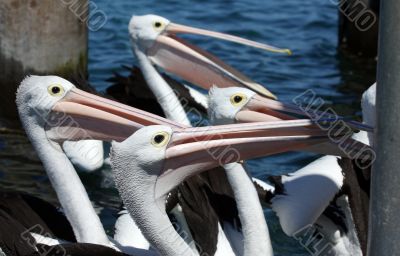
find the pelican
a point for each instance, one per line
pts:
(154, 37)
(52, 111)
(304, 197)
(240, 105)
(35, 98)
(154, 42)
(156, 159)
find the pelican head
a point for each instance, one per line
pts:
(157, 38)
(36, 96)
(240, 105)
(225, 103)
(67, 113)
(145, 29)
(156, 159)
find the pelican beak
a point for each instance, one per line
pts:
(261, 109)
(81, 115)
(199, 67)
(192, 150)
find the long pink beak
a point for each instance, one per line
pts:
(200, 67)
(81, 115)
(192, 150)
(261, 109)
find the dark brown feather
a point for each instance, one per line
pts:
(357, 186)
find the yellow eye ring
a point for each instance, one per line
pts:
(238, 99)
(55, 90)
(158, 25)
(160, 139)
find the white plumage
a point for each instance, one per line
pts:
(86, 155)
(311, 189)
(308, 191)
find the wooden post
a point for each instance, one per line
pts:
(384, 236)
(40, 37)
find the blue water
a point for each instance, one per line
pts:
(308, 28)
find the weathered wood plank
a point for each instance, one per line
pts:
(40, 37)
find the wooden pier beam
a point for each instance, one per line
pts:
(40, 37)
(384, 231)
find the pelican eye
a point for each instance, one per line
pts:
(160, 139)
(55, 90)
(158, 25)
(238, 99)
